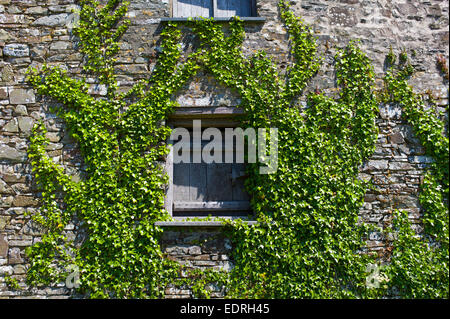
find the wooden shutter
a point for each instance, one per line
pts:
(213, 8)
(192, 8)
(208, 182)
(231, 8)
(209, 188)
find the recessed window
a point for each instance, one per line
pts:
(213, 8)
(203, 185)
(202, 189)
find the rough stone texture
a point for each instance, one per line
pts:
(11, 154)
(3, 246)
(199, 248)
(51, 21)
(16, 50)
(3, 93)
(33, 32)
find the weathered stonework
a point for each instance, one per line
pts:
(196, 248)
(35, 31)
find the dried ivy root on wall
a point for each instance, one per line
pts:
(308, 240)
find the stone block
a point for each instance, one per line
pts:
(399, 166)
(12, 18)
(4, 35)
(14, 256)
(19, 269)
(36, 10)
(53, 137)
(11, 154)
(423, 159)
(21, 110)
(60, 45)
(6, 270)
(204, 263)
(26, 124)
(3, 93)
(5, 189)
(21, 96)
(11, 127)
(3, 246)
(396, 138)
(194, 250)
(98, 89)
(227, 266)
(377, 165)
(24, 201)
(52, 20)
(133, 69)
(14, 178)
(4, 221)
(16, 50)
(6, 201)
(54, 146)
(32, 228)
(7, 73)
(343, 16)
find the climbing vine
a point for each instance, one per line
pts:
(307, 239)
(308, 242)
(121, 141)
(419, 265)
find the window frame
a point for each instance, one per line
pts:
(220, 117)
(214, 11)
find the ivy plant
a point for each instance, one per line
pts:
(308, 242)
(121, 140)
(419, 264)
(307, 238)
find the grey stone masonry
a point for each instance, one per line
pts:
(33, 32)
(204, 247)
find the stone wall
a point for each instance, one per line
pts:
(34, 31)
(196, 248)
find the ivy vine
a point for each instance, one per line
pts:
(308, 242)
(121, 140)
(419, 264)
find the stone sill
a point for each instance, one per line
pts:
(186, 223)
(218, 19)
